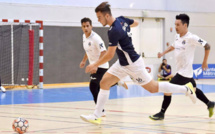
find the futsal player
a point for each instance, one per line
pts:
(184, 49)
(129, 63)
(94, 49)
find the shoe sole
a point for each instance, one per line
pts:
(155, 119)
(84, 119)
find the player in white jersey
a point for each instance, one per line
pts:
(129, 63)
(184, 46)
(94, 49)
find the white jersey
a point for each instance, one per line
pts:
(93, 46)
(184, 52)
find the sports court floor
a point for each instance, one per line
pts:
(57, 111)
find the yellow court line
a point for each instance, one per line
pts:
(47, 86)
(57, 85)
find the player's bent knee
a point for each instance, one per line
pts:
(152, 86)
(104, 84)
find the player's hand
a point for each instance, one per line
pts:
(82, 64)
(90, 68)
(159, 55)
(94, 70)
(204, 66)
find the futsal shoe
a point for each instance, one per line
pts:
(91, 119)
(3, 89)
(158, 116)
(190, 92)
(211, 108)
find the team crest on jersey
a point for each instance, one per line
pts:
(183, 42)
(139, 80)
(101, 45)
(89, 43)
(200, 41)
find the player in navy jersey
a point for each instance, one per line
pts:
(94, 49)
(129, 63)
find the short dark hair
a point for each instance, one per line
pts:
(184, 18)
(104, 8)
(86, 20)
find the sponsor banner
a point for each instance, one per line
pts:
(198, 72)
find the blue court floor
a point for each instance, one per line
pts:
(77, 94)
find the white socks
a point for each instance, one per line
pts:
(103, 96)
(171, 88)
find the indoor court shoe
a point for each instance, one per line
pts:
(3, 89)
(211, 108)
(190, 92)
(158, 116)
(91, 119)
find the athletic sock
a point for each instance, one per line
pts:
(171, 88)
(201, 96)
(166, 102)
(103, 96)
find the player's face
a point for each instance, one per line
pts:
(101, 18)
(86, 27)
(180, 27)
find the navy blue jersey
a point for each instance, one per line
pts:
(119, 35)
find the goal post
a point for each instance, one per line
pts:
(21, 53)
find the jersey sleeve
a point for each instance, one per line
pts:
(100, 44)
(197, 41)
(114, 37)
(129, 21)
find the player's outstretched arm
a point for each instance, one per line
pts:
(169, 49)
(205, 61)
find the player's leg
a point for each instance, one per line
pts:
(166, 102)
(112, 76)
(94, 86)
(100, 74)
(107, 81)
(140, 76)
(2, 88)
(177, 79)
(154, 87)
(201, 96)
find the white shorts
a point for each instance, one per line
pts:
(136, 71)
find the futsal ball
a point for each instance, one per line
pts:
(20, 125)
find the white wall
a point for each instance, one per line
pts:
(165, 5)
(202, 24)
